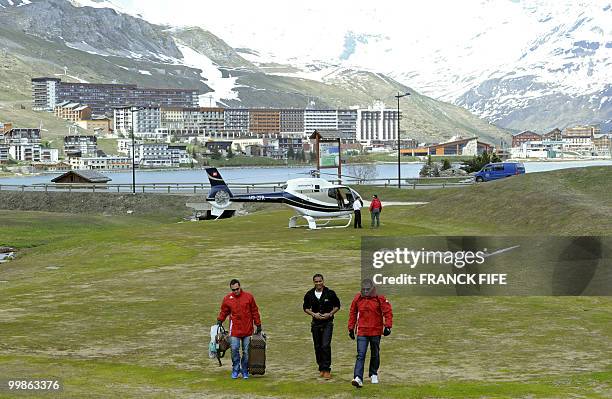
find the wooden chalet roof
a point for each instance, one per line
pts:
(90, 175)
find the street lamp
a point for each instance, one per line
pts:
(399, 146)
(132, 110)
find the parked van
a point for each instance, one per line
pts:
(494, 171)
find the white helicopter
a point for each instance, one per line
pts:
(317, 200)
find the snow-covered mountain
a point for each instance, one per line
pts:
(535, 64)
(95, 41)
(522, 65)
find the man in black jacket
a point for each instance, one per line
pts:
(321, 304)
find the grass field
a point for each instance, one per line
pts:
(121, 306)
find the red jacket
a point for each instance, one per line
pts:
(375, 204)
(368, 312)
(243, 312)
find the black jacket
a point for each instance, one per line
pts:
(329, 300)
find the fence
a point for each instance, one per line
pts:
(203, 188)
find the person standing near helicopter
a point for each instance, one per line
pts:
(357, 205)
(375, 211)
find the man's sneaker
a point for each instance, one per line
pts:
(357, 382)
(374, 379)
(245, 375)
(235, 374)
(321, 373)
(327, 375)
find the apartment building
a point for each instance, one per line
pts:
(320, 119)
(108, 162)
(144, 119)
(160, 154)
(98, 124)
(25, 152)
(581, 131)
(291, 120)
(80, 146)
(4, 153)
(579, 139)
(44, 91)
(180, 118)
(347, 122)
(49, 155)
(22, 136)
(264, 121)
(211, 119)
(103, 98)
(602, 144)
(377, 124)
(523, 137)
(236, 119)
(553, 135)
(72, 112)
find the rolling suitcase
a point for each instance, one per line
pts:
(257, 354)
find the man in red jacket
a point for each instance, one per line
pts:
(371, 314)
(242, 309)
(375, 210)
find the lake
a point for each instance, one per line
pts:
(273, 174)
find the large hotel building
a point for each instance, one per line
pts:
(150, 112)
(103, 98)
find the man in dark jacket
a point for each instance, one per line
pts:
(321, 304)
(372, 316)
(243, 311)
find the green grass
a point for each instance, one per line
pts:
(109, 146)
(120, 306)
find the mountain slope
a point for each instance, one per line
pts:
(46, 38)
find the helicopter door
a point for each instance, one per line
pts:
(345, 197)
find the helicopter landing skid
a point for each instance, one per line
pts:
(312, 222)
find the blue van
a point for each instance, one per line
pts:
(494, 171)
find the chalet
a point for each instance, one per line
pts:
(553, 135)
(524, 137)
(82, 177)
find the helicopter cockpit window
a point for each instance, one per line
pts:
(332, 193)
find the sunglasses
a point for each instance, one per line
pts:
(236, 289)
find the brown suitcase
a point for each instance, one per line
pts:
(257, 354)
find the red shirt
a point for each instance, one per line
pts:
(243, 312)
(367, 313)
(375, 204)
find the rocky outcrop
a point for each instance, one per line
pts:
(99, 30)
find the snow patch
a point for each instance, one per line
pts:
(101, 4)
(144, 72)
(223, 88)
(73, 77)
(86, 47)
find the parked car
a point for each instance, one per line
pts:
(494, 171)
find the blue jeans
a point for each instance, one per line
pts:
(362, 348)
(238, 365)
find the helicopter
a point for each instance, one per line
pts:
(318, 201)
